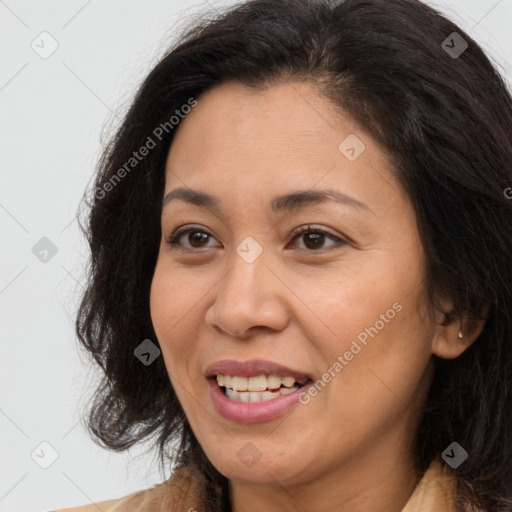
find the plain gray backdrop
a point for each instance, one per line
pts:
(68, 69)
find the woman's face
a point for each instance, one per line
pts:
(344, 305)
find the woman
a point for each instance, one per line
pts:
(300, 273)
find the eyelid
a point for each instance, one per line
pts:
(317, 229)
(173, 238)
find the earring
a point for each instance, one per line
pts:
(461, 335)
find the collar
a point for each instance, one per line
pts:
(434, 493)
(187, 491)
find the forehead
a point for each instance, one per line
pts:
(234, 121)
(281, 138)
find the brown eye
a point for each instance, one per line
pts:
(315, 238)
(196, 239)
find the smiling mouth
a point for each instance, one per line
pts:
(259, 388)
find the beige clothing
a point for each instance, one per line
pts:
(183, 492)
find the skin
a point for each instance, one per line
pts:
(348, 449)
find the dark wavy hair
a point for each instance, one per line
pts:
(446, 123)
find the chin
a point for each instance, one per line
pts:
(256, 465)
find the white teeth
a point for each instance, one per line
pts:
(238, 383)
(273, 382)
(288, 382)
(257, 387)
(286, 391)
(261, 396)
(244, 397)
(258, 383)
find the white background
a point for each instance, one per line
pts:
(53, 112)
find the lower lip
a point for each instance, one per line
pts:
(252, 412)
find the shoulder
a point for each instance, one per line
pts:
(185, 489)
(104, 506)
(148, 499)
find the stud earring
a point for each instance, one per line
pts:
(461, 335)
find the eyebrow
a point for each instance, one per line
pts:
(286, 203)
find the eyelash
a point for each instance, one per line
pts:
(297, 233)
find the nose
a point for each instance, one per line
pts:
(249, 297)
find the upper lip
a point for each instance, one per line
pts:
(252, 368)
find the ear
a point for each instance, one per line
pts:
(454, 334)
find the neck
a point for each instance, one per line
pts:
(378, 480)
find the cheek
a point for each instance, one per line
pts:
(384, 360)
(373, 338)
(173, 301)
(168, 307)
(341, 310)
(177, 304)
